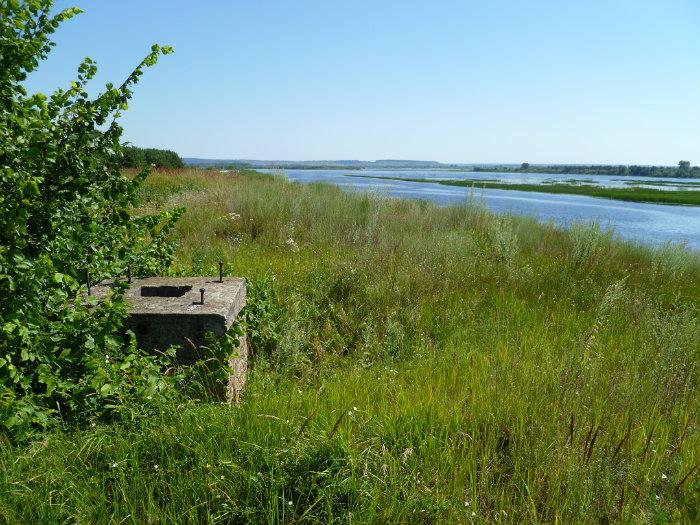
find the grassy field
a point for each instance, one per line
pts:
(634, 194)
(411, 364)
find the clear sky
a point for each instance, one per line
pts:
(600, 81)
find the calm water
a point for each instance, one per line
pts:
(650, 223)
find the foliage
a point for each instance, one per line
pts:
(569, 396)
(261, 317)
(587, 241)
(64, 211)
(684, 170)
(133, 157)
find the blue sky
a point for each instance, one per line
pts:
(600, 81)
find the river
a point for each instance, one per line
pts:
(647, 223)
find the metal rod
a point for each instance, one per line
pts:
(128, 274)
(221, 271)
(201, 293)
(87, 279)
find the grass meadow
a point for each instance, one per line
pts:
(410, 364)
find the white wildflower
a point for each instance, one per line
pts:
(664, 476)
(292, 245)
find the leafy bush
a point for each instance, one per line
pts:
(503, 241)
(64, 211)
(262, 315)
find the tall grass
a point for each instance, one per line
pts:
(410, 364)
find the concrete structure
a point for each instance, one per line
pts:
(180, 311)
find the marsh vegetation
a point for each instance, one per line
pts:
(410, 364)
(633, 193)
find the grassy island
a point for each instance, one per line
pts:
(631, 193)
(411, 364)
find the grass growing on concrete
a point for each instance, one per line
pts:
(633, 193)
(410, 364)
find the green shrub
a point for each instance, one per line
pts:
(587, 241)
(64, 211)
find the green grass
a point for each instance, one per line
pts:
(502, 371)
(684, 183)
(634, 194)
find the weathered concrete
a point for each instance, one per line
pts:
(168, 311)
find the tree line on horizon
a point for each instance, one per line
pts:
(135, 157)
(683, 170)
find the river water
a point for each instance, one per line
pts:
(648, 223)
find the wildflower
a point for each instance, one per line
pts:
(467, 503)
(354, 408)
(114, 465)
(658, 497)
(292, 245)
(155, 467)
(233, 216)
(664, 476)
(222, 477)
(289, 502)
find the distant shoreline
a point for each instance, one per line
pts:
(685, 172)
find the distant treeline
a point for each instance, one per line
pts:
(287, 166)
(683, 170)
(161, 158)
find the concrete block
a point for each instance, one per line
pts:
(168, 311)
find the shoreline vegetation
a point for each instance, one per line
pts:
(410, 363)
(634, 194)
(683, 170)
